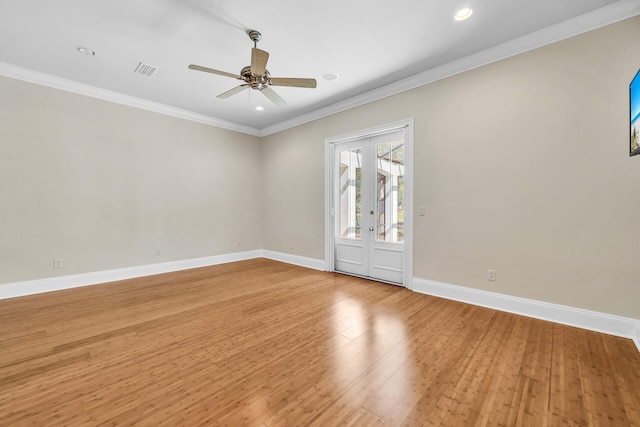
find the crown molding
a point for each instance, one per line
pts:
(19, 73)
(598, 18)
(618, 11)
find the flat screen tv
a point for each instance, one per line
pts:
(634, 115)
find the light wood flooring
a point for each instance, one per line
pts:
(262, 343)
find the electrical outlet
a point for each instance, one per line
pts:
(158, 252)
(291, 245)
(491, 275)
(57, 263)
(239, 243)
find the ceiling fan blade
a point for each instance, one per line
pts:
(259, 60)
(286, 81)
(273, 96)
(233, 91)
(212, 71)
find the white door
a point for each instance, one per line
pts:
(368, 200)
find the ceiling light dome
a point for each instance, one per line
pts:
(463, 14)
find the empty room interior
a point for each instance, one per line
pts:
(324, 214)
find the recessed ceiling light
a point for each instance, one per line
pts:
(331, 76)
(85, 51)
(259, 108)
(463, 14)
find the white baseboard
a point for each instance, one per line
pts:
(30, 287)
(585, 319)
(594, 321)
(313, 263)
(38, 286)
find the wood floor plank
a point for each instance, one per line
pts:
(566, 400)
(604, 401)
(626, 374)
(262, 343)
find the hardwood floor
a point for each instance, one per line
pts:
(262, 343)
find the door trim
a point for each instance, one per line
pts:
(329, 207)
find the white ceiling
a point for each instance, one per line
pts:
(377, 47)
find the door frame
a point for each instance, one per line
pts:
(329, 207)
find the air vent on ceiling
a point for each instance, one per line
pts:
(145, 69)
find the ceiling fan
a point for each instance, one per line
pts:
(256, 76)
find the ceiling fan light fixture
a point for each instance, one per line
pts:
(463, 14)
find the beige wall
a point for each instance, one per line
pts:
(103, 185)
(522, 167)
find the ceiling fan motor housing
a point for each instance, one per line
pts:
(255, 82)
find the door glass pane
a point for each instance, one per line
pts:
(350, 211)
(390, 190)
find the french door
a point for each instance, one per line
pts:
(368, 200)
